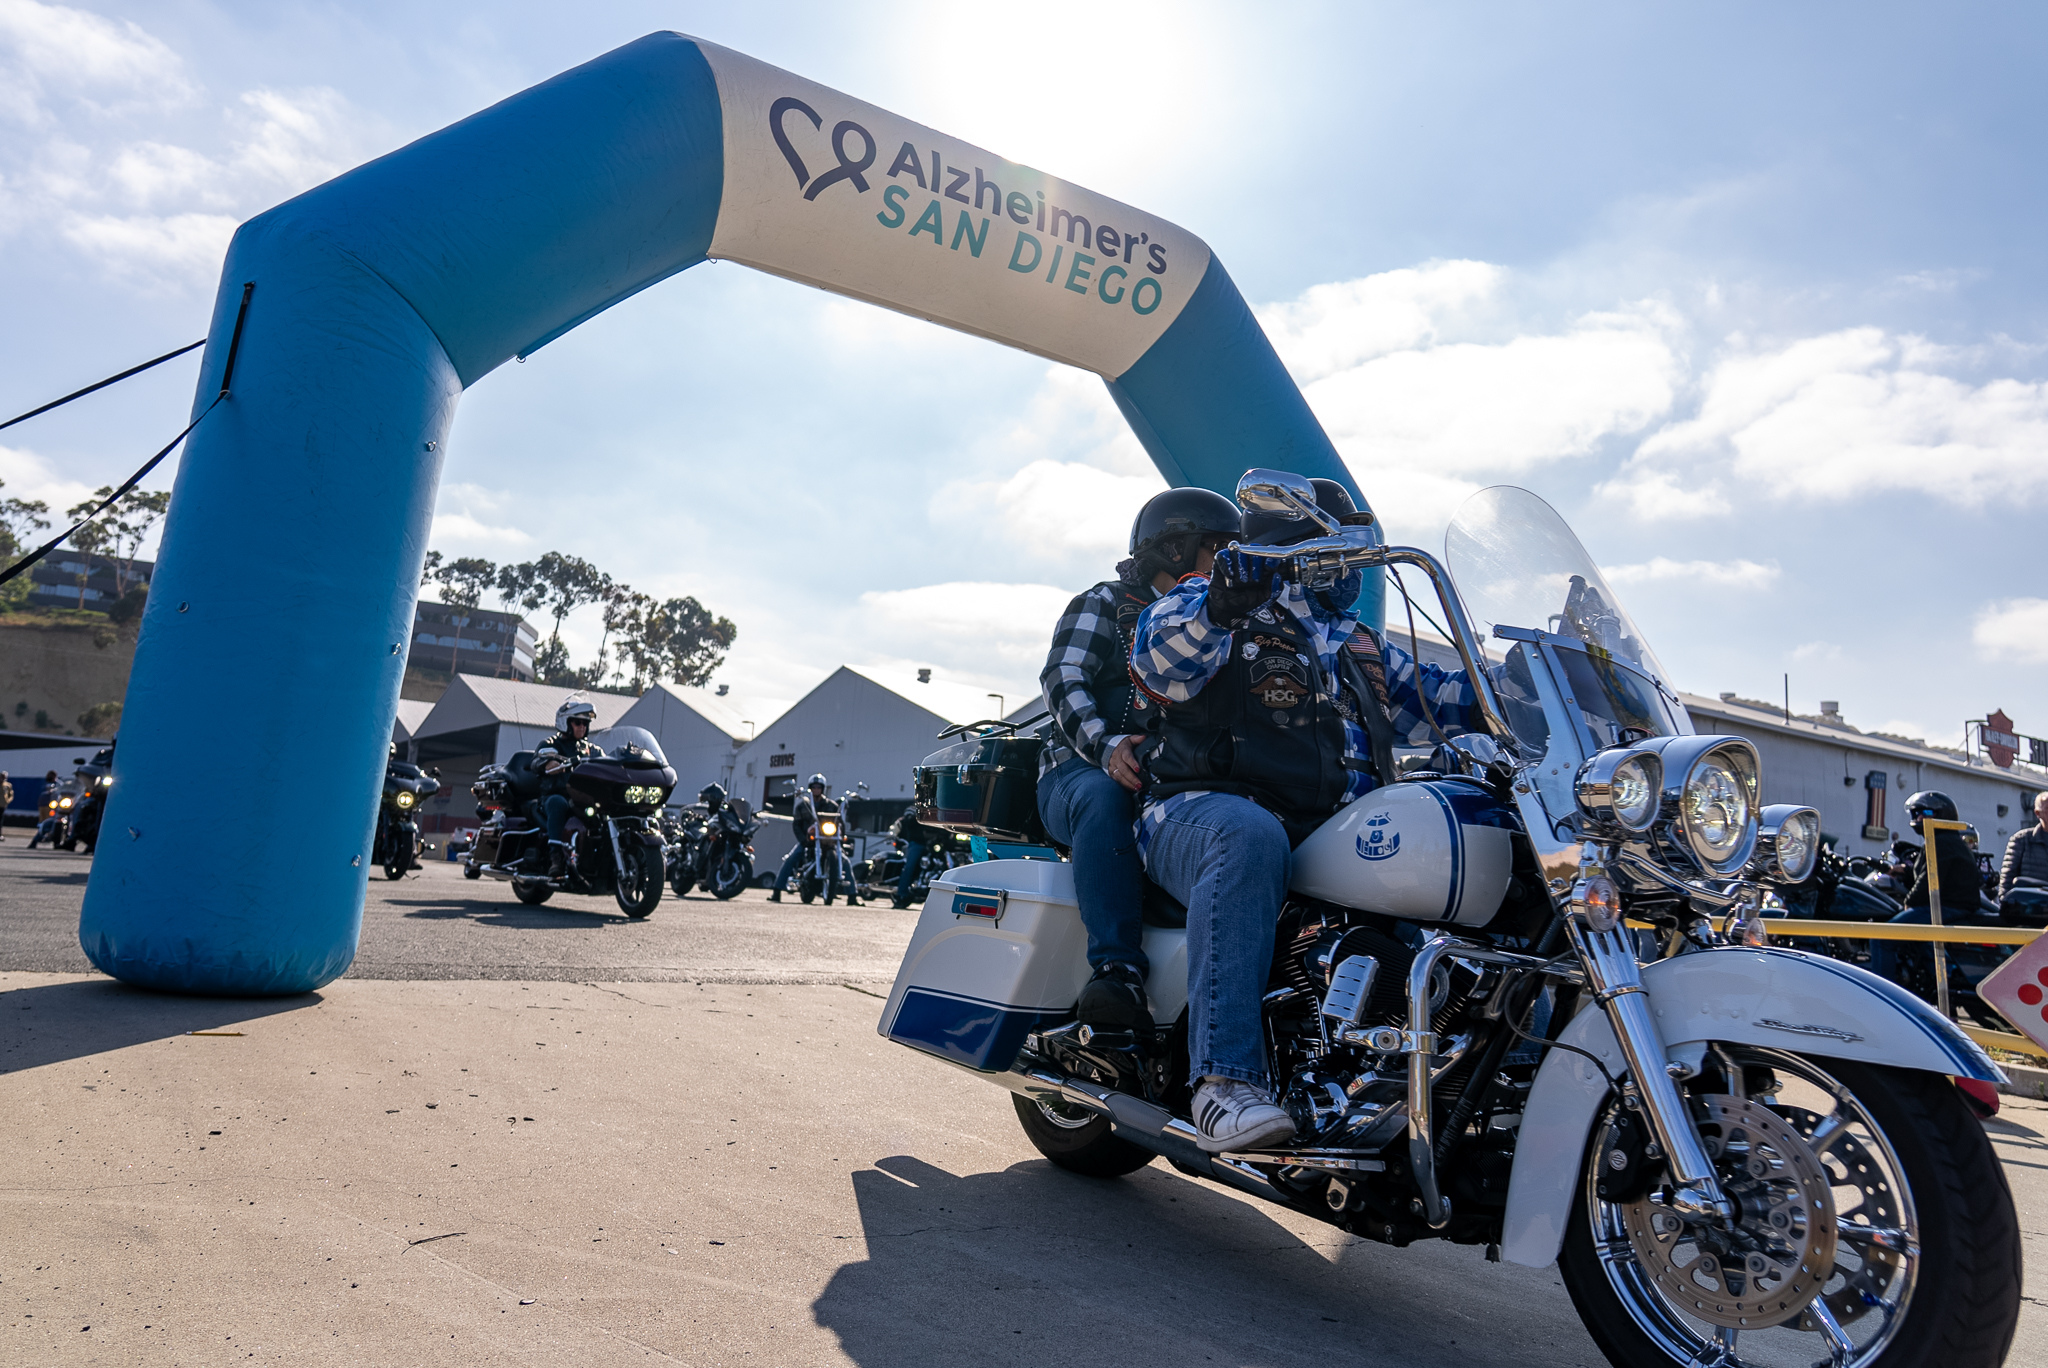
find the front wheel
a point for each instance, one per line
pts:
(1078, 1141)
(736, 873)
(639, 889)
(398, 858)
(470, 871)
(807, 888)
(1877, 1229)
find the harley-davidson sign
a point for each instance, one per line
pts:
(2000, 741)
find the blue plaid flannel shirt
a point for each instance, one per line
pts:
(1178, 650)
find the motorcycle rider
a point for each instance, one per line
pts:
(1961, 882)
(47, 826)
(552, 758)
(1088, 771)
(2026, 854)
(916, 838)
(804, 819)
(1278, 708)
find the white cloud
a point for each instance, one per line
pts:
(1009, 622)
(148, 248)
(1816, 651)
(1328, 328)
(2013, 629)
(106, 65)
(26, 475)
(1733, 574)
(1424, 414)
(1840, 416)
(460, 530)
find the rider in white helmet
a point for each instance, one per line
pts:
(552, 759)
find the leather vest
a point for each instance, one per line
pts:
(1120, 704)
(1263, 728)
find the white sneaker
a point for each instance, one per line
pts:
(1234, 1115)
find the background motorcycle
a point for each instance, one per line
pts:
(397, 845)
(877, 876)
(615, 843)
(93, 779)
(827, 865)
(713, 849)
(1737, 1154)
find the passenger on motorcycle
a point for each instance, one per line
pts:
(1088, 771)
(1278, 709)
(552, 759)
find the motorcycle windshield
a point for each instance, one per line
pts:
(629, 745)
(1573, 672)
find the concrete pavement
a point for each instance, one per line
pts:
(487, 1171)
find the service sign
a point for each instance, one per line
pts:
(840, 194)
(2018, 989)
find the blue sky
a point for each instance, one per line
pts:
(1751, 293)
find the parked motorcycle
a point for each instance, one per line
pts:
(397, 845)
(1738, 1153)
(712, 849)
(615, 845)
(877, 876)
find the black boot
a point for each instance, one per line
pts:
(558, 859)
(775, 893)
(1114, 1000)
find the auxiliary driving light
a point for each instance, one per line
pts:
(1787, 843)
(1621, 788)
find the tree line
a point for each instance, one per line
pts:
(645, 640)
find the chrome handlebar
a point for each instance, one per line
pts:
(1325, 559)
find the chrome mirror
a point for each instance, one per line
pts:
(1281, 491)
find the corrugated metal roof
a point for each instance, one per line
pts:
(474, 701)
(730, 713)
(411, 712)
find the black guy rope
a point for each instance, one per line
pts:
(80, 394)
(226, 380)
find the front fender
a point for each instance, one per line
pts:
(1783, 999)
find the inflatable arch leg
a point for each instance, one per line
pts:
(299, 518)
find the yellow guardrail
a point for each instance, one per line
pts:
(1905, 931)
(1975, 935)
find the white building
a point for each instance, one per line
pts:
(860, 725)
(701, 732)
(1857, 780)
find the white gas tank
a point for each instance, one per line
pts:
(1427, 851)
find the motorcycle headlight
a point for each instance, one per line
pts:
(1710, 783)
(63, 802)
(828, 828)
(1787, 842)
(404, 799)
(1621, 788)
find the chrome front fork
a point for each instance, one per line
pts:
(1617, 983)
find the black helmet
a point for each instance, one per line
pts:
(1281, 529)
(1161, 531)
(1931, 803)
(711, 796)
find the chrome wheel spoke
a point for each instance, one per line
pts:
(1840, 1347)
(1891, 1237)
(1831, 1128)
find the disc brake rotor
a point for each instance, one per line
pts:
(1865, 1286)
(1782, 1251)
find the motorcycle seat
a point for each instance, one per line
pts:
(1161, 908)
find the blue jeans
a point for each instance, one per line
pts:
(800, 854)
(913, 856)
(555, 812)
(1096, 817)
(1227, 858)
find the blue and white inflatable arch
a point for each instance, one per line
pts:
(284, 595)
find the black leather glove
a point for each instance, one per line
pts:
(1238, 584)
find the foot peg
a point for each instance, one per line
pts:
(1095, 1038)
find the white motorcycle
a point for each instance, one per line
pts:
(1736, 1153)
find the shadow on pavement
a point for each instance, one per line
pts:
(1033, 1265)
(52, 1022)
(506, 914)
(67, 875)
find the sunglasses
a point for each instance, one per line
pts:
(579, 721)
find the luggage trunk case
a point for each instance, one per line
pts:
(998, 952)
